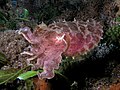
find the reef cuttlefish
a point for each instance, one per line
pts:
(49, 43)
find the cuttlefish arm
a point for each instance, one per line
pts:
(27, 53)
(27, 34)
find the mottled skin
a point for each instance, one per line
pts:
(68, 38)
(47, 47)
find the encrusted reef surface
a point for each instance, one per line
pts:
(12, 44)
(109, 83)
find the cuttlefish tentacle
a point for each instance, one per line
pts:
(30, 59)
(27, 34)
(27, 53)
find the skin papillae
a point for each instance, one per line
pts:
(49, 43)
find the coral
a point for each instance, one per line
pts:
(112, 35)
(67, 38)
(115, 87)
(41, 84)
(102, 50)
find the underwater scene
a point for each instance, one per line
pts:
(59, 44)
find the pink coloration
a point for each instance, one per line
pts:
(68, 38)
